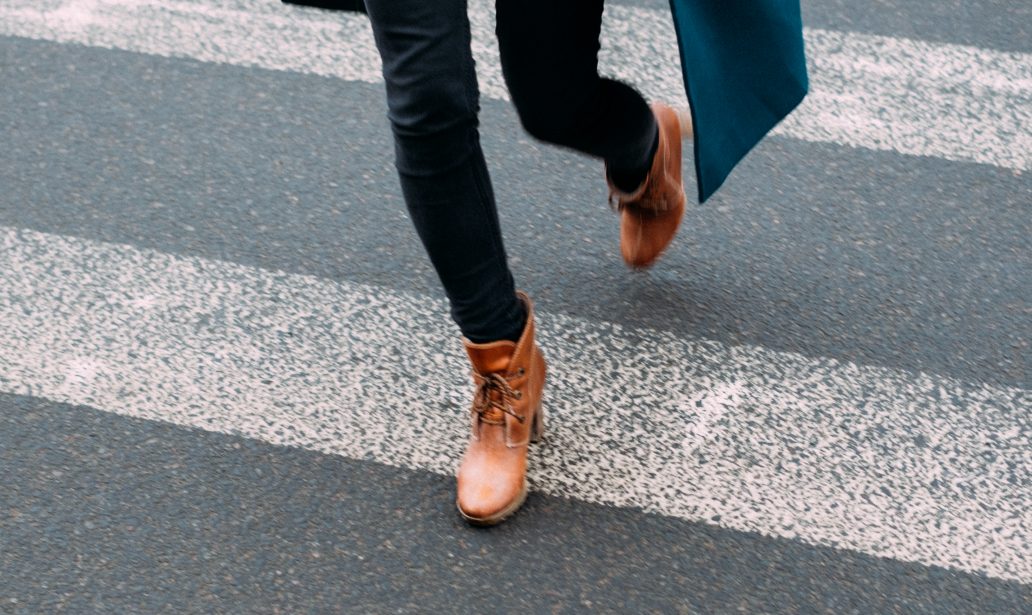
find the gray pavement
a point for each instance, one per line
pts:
(913, 263)
(109, 514)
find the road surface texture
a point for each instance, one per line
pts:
(228, 381)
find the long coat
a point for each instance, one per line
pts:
(744, 71)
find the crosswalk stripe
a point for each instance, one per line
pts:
(909, 96)
(916, 467)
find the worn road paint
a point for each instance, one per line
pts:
(879, 92)
(915, 467)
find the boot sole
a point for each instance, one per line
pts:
(499, 516)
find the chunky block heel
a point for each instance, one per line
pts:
(537, 430)
(684, 115)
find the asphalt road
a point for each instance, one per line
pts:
(914, 264)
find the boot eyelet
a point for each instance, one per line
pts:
(520, 371)
(518, 394)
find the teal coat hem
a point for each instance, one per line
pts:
(744, 71)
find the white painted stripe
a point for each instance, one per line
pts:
(914, 97)
(915, 467)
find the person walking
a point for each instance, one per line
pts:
(549, 57)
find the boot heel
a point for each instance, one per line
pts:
(537, 428)
(684, 117)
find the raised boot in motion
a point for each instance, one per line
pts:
(650, 215)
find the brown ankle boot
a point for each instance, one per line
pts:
(506, 416)
(650, 215)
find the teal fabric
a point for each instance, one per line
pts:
(744, 71)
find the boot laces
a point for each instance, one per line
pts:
(647, 202)
(483, 401)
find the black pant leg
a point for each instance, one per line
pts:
(432, 100)
(549, 52)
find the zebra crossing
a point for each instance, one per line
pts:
(657, 423)
(916, 467)
(927, 99)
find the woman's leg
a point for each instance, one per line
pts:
(549, 53)
(432, 100)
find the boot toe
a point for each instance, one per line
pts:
(645, 235)
(487, 493)
(488, 506)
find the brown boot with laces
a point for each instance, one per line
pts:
(650, 215)
(505, 418)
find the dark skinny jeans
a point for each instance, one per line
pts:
(549, 53)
